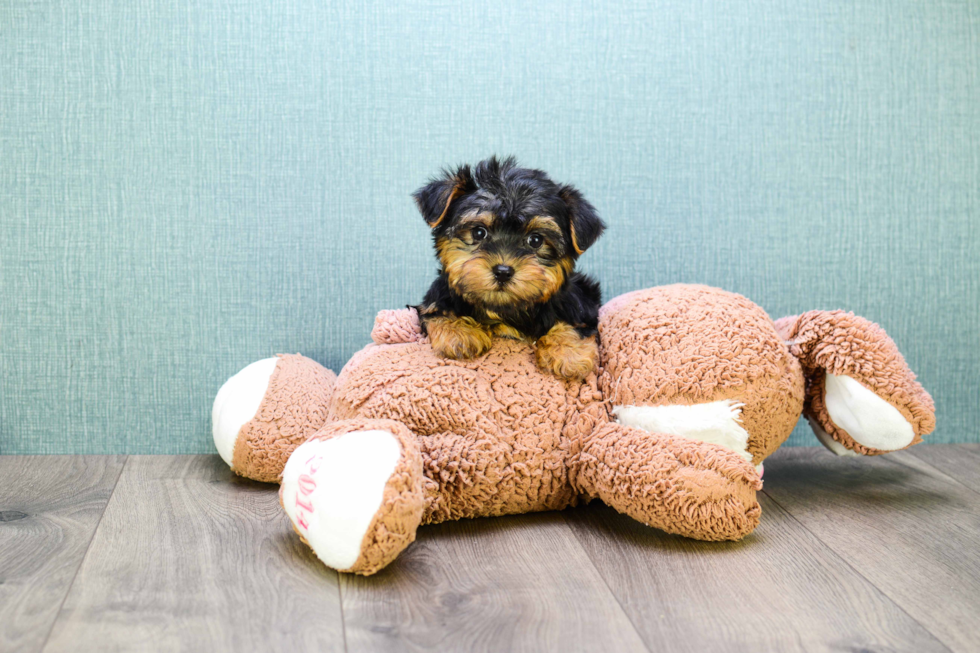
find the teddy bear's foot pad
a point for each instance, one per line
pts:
(716, 422)
(867, 418)
(237, 402)
(333, 489)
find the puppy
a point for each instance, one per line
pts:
(507, 239)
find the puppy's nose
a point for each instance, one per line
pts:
(503, 272)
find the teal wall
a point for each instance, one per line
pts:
(186, 187)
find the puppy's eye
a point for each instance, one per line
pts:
(478, 233)
(535, 241)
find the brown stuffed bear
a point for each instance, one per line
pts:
(695, 387)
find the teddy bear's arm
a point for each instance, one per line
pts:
(692, 488)
(397, 326)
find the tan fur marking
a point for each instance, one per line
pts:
(543, 223)
(564, 353)
(453, 194)
(453, 254)
(471, 275)
(486, 219)
(458, 337)
(531, 283)
(507, 331)
(555, 276)
(578, 250)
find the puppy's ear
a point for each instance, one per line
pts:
(435, 198)
(584, 222)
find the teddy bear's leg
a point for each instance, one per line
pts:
(268, 409)
(354, 492)
(861, 397)
(678, 485)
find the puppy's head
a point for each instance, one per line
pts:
(507, 237)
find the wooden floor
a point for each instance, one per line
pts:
(177, 554)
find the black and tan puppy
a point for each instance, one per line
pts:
(507, 239)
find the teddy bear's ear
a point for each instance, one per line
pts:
(584, 222)
(435, 198)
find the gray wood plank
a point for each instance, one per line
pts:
(49, 509)
(779, 589)
(506, 584)
(959, 461)
(190, 557)
(911, 531)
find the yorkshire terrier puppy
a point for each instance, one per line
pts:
(507, 239)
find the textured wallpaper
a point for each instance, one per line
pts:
(186, 187)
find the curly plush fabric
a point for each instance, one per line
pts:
(293, 409)
(489, 429)
(683, 344)
(496, 435)
(845, 344)
(677, 485)
(396, 326)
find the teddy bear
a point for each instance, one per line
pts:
(695, 387)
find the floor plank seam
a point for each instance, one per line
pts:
(88, 547)
(343, 618)
(605, 582)
(937, 470)
(857, 571)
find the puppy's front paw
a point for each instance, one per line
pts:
(458, 338)
(564, 353)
